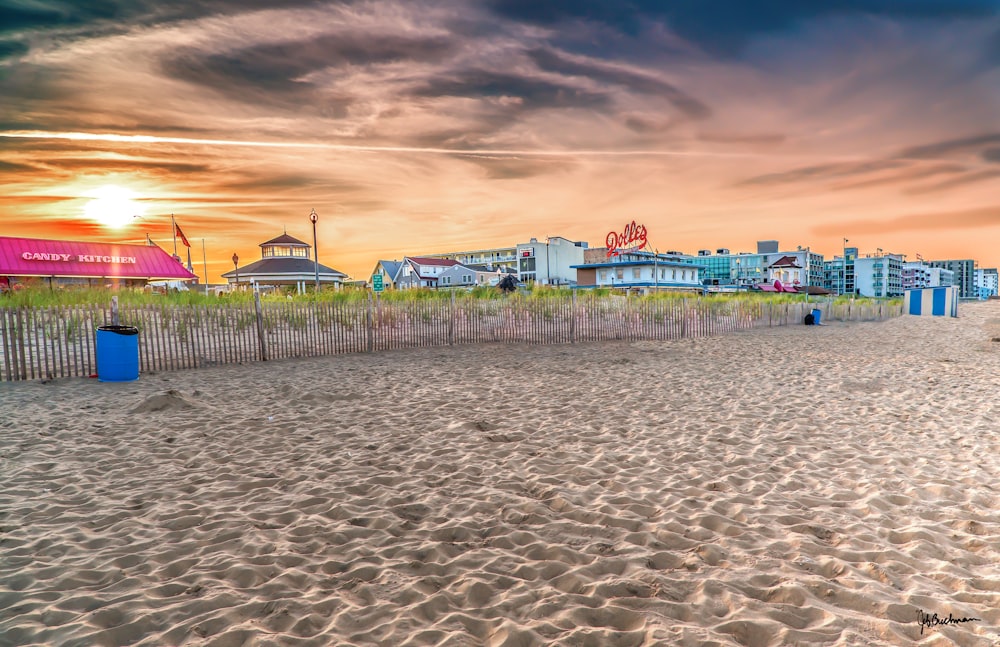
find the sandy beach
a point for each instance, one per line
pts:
(831, 485)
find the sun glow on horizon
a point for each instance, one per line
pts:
(112, 206)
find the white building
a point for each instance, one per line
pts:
(917, 275)
(788, 270)
(644, 271)
(879, 276)
(552, 262)
(986, 283)
(502, 257)
(941, 277)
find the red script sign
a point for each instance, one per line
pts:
(631, 239)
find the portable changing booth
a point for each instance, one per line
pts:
(932, 302)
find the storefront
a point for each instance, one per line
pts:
(64, 263)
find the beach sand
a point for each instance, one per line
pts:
(786, 486)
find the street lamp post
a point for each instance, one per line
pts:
(236, 265)
(313, 217)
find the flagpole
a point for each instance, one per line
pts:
(173, 227)
(204, 261)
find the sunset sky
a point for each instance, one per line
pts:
(416, 126)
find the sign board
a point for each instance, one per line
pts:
(377, 284)
(631, 239)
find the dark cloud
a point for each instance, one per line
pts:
(551, 61)
(734, 138)
(950, 147)
(723, 27)
(41, 15)
(533, 93)
(960, 181)
(6, 167)
(991, 155)
(11, 49)
(124, 165)
(822, 172)
(901, 177)
(272, 73)
(513, 168)
(644, 126)
(17, 15)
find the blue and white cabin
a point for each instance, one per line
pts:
(932, 302)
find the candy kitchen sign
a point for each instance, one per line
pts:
(630, 239)
(80, 258)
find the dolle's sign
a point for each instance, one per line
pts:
(631, 239)
(81, 258)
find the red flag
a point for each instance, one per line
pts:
(181, 234)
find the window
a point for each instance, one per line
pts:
(604, 276)
(619, 273)
(673, 274)
(636, 272)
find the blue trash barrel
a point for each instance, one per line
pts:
(816, 315)
(117, 353)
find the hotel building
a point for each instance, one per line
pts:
(879, 276)
(965, 275)
(986, 283)
(744, 270)
(502, 257)
(552, 262)
(916, 275)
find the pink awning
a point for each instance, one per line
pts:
(38, 257)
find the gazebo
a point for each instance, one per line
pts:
(284, 261)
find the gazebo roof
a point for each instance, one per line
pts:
(283, 265)
(285, 239)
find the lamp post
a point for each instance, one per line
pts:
(236, 265)
(313, 217)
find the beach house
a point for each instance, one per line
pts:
(422, 272)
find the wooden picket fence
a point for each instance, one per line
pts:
(59, 341)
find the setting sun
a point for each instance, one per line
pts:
(112, 206)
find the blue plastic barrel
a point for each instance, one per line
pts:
(816, 316)
(117, 353)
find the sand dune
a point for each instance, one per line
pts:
(803, 485)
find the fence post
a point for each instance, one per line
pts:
(22, 352)
(369, 315)
(114, 311)
(451, 321)
(261, 340)
(572, 318)
(684, 317)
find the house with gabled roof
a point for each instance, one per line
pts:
(472, 275)
(788, 271)
(422, 272)
(389, 271)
